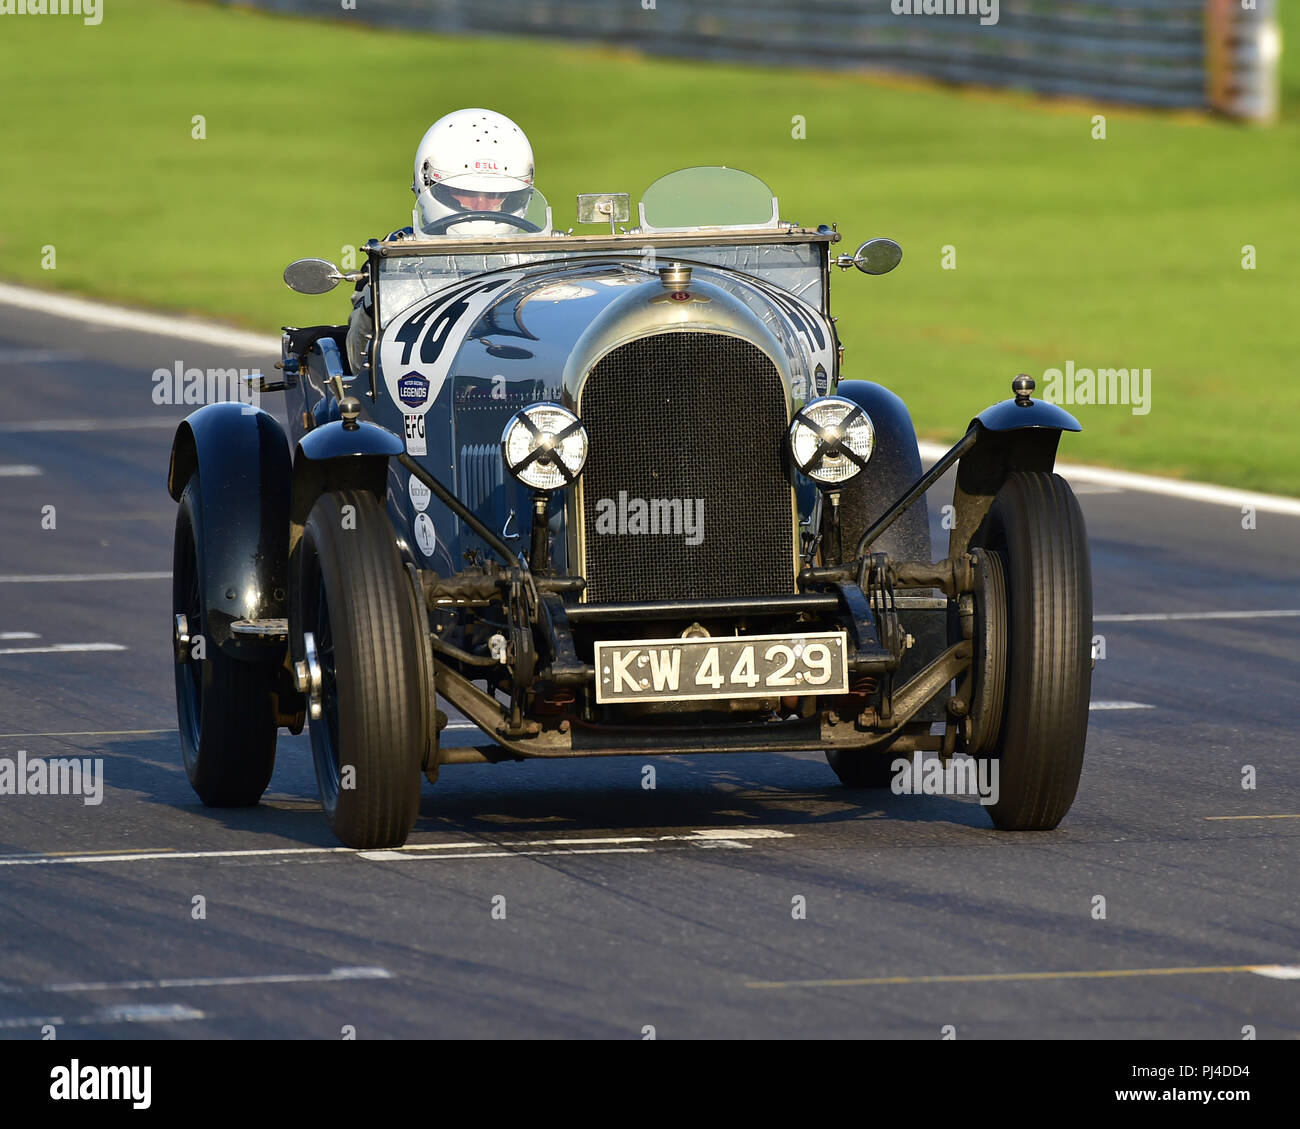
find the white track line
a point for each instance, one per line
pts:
(357, 973)
(399, 856)
(1007, 977)
(1278, 971)
(718, 837)
(20, 471)
(1103, 705)
(212, 333)
(18, 635)
(705, 836)
(1152, 484)
(167, 856)
(82, 577)
(119, 317)
(1162, 617)
(117, 1013)
(42, 425)
(1278, 816)
(62, 649)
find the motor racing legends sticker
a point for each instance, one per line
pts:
(420, 494)
(424, 534)
(413, 390)
(429, 335)
(413, 430)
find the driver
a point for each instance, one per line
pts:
(469, 161)
(473, 161)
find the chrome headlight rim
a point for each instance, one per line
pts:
(545, 446)
(831, 450)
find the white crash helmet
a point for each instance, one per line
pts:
(477, 152)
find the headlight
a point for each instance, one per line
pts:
(544, 446)
(831, 440)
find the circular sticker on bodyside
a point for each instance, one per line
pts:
(424, 535)
(420, 494)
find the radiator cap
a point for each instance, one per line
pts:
(675, 277)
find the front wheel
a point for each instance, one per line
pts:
(1036, 529)
(356, 629)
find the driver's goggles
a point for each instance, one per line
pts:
(498, 201)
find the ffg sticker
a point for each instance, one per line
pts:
(413, 428)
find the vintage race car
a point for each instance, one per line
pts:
(611, 494)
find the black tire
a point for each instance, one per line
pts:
(354, 597)
(1037, 529)
(225, 707)
(861, 769)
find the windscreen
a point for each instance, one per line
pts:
(707, 197)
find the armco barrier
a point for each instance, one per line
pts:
(1208, 54)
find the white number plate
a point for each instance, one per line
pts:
(733, 666)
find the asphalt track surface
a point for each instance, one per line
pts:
(625, 909)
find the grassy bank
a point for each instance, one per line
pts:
(1119, 253)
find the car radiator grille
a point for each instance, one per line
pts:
(686, 446)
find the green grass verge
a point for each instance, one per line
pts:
(1124, 252)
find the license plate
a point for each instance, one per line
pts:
(748, 666)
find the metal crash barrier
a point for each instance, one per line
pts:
(1221, 55)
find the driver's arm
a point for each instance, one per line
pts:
(361, 321)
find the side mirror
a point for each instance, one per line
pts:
(878, 256)
(312, 276)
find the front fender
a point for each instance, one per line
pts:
(1013, 415)
(334, 456)
(1012, 436)
(335, 440)
(241, 457)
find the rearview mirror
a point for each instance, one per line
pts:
(604, 207)
(312, 276)
(878, 256)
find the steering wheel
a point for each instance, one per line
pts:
(439, 227)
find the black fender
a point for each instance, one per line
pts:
(330, 457)
(1011, 436)
(1017, 415)
(334, 456)
(895, 464)
(241, 455)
